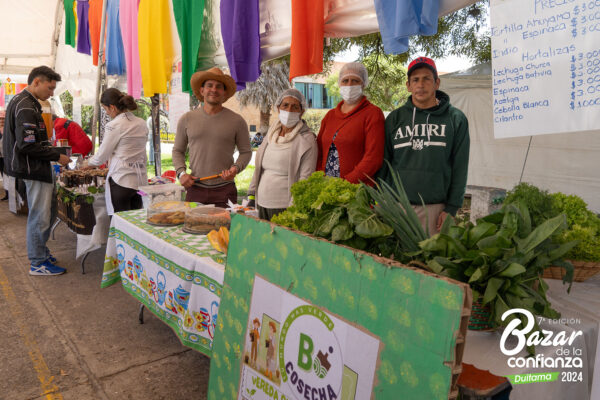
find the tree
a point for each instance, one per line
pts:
(461, 33)
(87, 113)
(67, 102)
(263, 93)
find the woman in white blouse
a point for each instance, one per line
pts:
(287, 154)
(124, 144)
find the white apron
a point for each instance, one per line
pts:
(137, 167)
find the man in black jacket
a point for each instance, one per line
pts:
(2, 114)
(27, 155)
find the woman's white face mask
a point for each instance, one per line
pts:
(351, 94)
(289, 119)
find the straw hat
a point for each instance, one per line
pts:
(215, 74)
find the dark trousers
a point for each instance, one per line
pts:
(123, 198)
(217, 196)
(268, 213)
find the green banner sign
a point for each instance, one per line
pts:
(304, 318)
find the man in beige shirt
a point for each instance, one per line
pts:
(211, 133)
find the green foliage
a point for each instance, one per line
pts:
(394, 208)
(501, 258)
(144, 108)
(242, 180)
(313, 119)
(319, 190)
(87, 114)
(166, 163)
(576, 211)
(583, 224)
(70, 196)
(333, 89)
(387, 83)
(306, 193)
(460, 34)
(334, 209)
(67, 102)
(588, 248)
(539, 202)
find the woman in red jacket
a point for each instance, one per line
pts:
(352, 135)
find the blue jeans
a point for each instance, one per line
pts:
(41, 200)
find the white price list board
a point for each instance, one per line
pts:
(545, 66)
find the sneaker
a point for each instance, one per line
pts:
(46, 268)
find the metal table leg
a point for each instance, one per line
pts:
(53, 228)
(82, 261)
(141, 314)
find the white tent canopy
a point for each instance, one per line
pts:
(565, 162)
(29, 33)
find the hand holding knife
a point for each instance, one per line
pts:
(188, 180)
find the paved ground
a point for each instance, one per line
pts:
(65, 338)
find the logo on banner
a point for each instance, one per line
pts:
(294, 350)
(562, 353)
(310, 355)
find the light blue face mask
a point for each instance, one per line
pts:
(289, 119)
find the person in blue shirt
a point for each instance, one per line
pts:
(256, 140)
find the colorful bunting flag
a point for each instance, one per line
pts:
(306, 52)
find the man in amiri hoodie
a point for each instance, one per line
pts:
(427, 143)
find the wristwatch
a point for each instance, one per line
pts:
(180, 173)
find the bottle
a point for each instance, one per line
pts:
(47, 116)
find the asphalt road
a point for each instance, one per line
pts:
(63, 337)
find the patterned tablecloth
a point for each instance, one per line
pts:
(176, 275)
(89, 243)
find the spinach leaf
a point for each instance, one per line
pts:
(328, 221)
(342, 231)
(366, 223)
